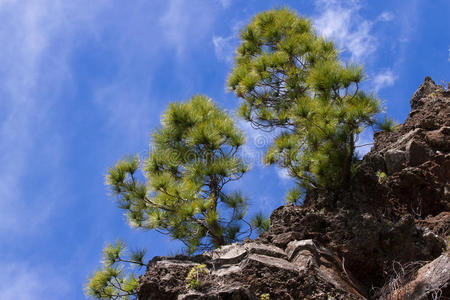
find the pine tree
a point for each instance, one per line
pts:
(117, 279)
(194, 154)
(192, 157)
(290, 79)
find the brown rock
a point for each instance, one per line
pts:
(416, 153)
(439, 225)
(439, 139)
(345, 251)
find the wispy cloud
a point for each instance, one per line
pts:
(283, 174)
(24, 282)
(255, 148)
(27, 88)
(384, 79)
(257, 141)
(186, 23)
(224, 48)
(37, 40)
(385, 16)
(342, 22)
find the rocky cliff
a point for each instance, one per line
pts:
(386, 239)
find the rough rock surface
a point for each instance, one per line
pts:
(248, 270)
(348, 246)
(415, 157)
(430, 281)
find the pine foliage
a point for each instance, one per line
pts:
(387, 124)
(260, 222)
(291, 79)
(192, 157)
(117, 279)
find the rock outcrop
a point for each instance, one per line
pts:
(386, 239)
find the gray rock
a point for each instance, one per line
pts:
(270, 262)
(296, 246)
(229, 254)
(235, 253)
(395, 160)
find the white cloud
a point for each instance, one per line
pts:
(252, 152)
(257, 142)
(384, 79)
(386, 16)
(27, 35)
(186, 23)
(224, 48)
(283, 174)
(341, 22)
(37, 41)
(24, 282)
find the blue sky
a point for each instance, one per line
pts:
(83, 83)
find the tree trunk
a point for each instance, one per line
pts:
(216, 234)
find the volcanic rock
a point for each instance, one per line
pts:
(385, 239)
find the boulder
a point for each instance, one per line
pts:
(395, 160)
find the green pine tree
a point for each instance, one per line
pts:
(194, 154)
(192, 157)
(117, 279)
(291, 80)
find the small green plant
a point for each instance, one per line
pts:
(196, 276)
(388, 125)
(382, 177)
(265, 296)
(293, 196)
(260, 222)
